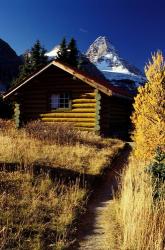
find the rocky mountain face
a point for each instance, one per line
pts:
(86, 66)
(120, 73)
(9, 64)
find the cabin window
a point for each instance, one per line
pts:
(61, 100)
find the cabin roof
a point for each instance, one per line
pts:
(104, 86)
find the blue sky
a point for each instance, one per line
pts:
(135, 27)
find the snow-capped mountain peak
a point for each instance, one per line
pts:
(104, 55)
(101, 47)
(54, 52)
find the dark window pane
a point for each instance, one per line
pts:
(61, 100)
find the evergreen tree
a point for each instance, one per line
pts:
(68, 53)
(72, 53)
(38, 58)
(62, 53)
(34, 60)
(149, 114)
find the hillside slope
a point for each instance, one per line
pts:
(9, 64)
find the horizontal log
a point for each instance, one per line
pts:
(114, 116)
(85, 128)
(62, 82)
(103, 126)
(75, 119)
(83, 105)
(84, 92)
(64, 79)
(42, 90)
(34, 102)
(56, 73)
(29, 113)
(31, 117)
(45, 96)
(118, 117)
(41, 107)
(111, 117)
(112, 110)
(85, 124)
(88, 95)
(57, 78)
(33, 111)
(34, 94)
(113, 120)
(84, 100)
(43, 104)
(119, 109)
(59, 85)
(42, 111)
(113, 106)
(89, 126)
(67, 115)
(118, 123)
(80, 110)
(78, 124)
(42, 98)
(118, 101)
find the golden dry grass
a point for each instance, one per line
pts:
(136, 220)
(57, 146)
(35, 212)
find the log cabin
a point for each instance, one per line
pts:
(61, 93)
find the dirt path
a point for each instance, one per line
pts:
(91, 230)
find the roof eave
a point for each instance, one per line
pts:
(23, 83)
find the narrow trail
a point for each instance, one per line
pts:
(91, 231)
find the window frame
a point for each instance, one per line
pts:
(61, 108)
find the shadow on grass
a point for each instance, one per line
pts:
(102, 188)
(56, 174)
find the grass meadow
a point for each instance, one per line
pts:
(136, 221)
(37, 212)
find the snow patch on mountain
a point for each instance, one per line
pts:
(104, 55)
(54, 52)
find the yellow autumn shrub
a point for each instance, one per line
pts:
(149, 115)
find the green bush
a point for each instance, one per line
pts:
(157, 171)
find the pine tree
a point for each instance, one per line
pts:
(38, 58)
(34, 60)
(72, 53)
(149, 114)
(68, 53)
(62, 53)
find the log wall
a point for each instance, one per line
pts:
(35, 99)
(115, 115)
(90, 109)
